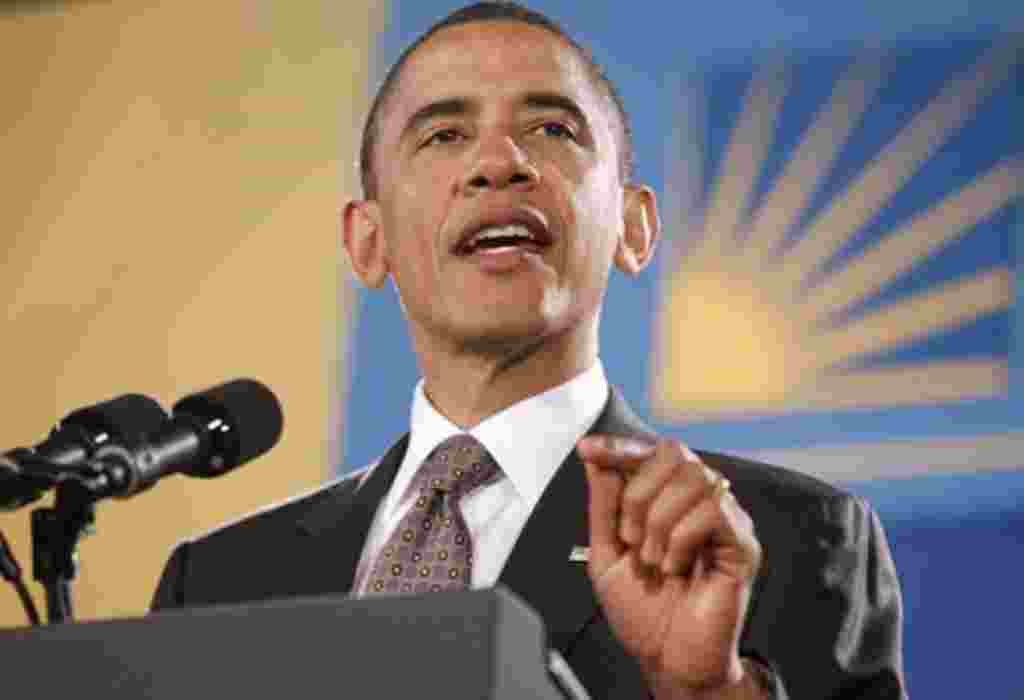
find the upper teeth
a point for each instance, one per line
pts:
(501, 232)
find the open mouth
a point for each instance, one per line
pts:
(511, 236)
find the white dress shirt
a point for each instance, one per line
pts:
(529, 441)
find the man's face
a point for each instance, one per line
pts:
(496, 128)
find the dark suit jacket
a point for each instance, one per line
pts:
(825, 612)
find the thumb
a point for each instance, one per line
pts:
(606, 487)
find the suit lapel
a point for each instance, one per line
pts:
(539, 569)
(339, 525)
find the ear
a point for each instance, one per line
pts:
(641, 229)
(364, 241)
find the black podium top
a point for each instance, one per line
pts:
(472, 645)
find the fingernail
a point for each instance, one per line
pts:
(635, 448)
(627, 447)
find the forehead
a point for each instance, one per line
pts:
(491, 62)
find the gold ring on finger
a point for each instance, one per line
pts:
(720, 487)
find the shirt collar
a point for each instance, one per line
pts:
(529, 440)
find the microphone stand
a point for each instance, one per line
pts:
(55, 535)
(56, 532)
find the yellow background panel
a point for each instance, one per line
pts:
(172, 175)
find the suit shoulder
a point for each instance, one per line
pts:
(752, 481)
(760, 487)
(285, 513)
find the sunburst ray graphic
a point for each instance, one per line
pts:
(757, 317)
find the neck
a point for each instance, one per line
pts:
(467, 384)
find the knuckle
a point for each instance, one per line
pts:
(659, 520)
(673, 502)
(731, 517)
(678, 537)
(710, 475)
(675, 451)
(758, 553)
(633, 501)
(756, 559)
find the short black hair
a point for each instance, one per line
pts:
(488, 12)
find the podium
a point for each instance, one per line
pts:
(464, 645)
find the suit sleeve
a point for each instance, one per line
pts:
(838, 627)
(170, 591)
(868, 645)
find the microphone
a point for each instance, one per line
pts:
(209, 434)
(26, 473)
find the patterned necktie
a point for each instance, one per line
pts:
(431, 550)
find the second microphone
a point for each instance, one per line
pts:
(209, 434)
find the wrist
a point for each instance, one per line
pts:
(749, 679)
(760, 678)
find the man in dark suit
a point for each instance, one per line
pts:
(497, 198)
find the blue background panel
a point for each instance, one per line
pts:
(956, 535)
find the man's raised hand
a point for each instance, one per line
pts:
(673, 558)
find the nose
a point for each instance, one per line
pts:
(499, 163)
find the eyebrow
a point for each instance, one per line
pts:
(449, 107)
(556, 100)
(461, 106)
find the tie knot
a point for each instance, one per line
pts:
(459, 465)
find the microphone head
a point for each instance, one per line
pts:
(251, 417)
(125, 419)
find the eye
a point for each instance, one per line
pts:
(442, 137)
(557, 130)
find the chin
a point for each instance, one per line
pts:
(504, 335)
(507, 333)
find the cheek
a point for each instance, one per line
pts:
(419, 208)
(597, 207)
(413, 204)
(409, 255)
(413, 265)
(420, 188)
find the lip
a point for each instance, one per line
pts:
(533, 221)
